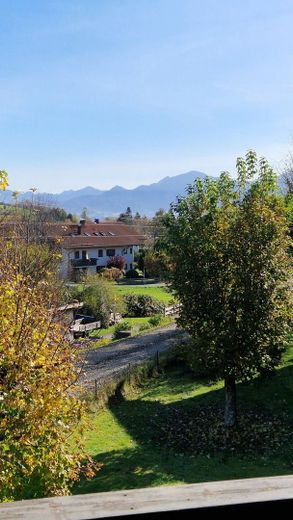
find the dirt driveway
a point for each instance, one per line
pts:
(116, 359)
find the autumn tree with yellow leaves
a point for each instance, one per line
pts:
(41, 417)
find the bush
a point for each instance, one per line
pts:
(144, 326)
(101, 342)
(111, 273)
(155, 320)
(123, 325)
(118, 262)
(134, 273)
(140, 305)
(100, 299)
(40, 419)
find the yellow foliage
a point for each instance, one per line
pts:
(3, 180)
(38, 409)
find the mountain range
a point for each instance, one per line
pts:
(146, 199)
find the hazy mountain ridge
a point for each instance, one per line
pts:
(146, 199)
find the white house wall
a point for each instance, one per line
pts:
(68, 255)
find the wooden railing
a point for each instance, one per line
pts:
(84, 262)
(257, 495)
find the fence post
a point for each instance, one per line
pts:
(96, 389)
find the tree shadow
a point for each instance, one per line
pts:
(151, 462)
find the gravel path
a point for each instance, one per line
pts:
(115, 359)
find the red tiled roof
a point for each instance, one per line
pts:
(83, 241)
(85, 235)
(99, 235)
(119, 229)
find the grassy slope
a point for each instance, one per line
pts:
(120, 434)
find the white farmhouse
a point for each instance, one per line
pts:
(87, 247)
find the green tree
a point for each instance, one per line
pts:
(287, 182)
(126, 217)
(30, 246)
(84, 214)
(287, 175)
(100, 298)
(156, 264)
(228, 242)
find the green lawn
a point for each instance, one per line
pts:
(160, 293)
(135, 323)
(126, 436)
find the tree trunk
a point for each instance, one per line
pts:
(230, 402)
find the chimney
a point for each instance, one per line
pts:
(97, 220)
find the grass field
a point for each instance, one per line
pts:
(126, 436)
(160, 293)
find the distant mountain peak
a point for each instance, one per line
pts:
(146, 199)
(118, 188)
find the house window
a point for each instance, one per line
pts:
(84, 255)
(125, 267)
(76, 255)
(101, 253)
(130, 250)
(110, 252)
(130, 266)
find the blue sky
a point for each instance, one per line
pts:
(106, 92)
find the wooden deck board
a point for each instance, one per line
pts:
(151, 500)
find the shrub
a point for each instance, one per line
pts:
(139, 305)
(123, 325)
(144, 326)
(38, 408)
(101, 342)
(155, 320)
(118, 262)
(100, 299)
(111, 273)
(133, 273)
(157, 264)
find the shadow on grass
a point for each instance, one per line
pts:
(148, 467)
(151, 462)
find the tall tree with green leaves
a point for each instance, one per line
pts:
(228, 242)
